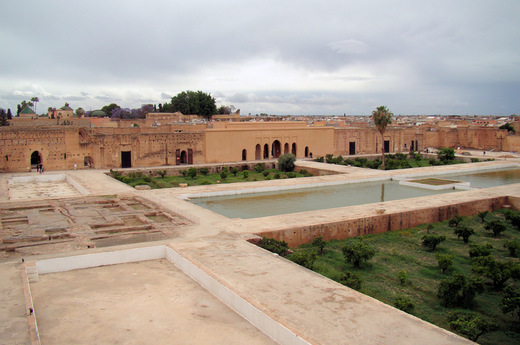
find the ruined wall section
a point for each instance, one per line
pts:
(147, 147)
(57, 148)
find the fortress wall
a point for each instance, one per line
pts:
(379, 223)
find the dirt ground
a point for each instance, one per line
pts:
(149, 302)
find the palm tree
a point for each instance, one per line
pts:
(35, 100)
(382, 118)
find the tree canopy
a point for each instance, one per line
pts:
(192, 103)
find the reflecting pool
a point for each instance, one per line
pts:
(318, 198)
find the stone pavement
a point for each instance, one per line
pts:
(315, 308)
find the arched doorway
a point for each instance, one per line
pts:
(258, 152)
(266, 151)
(183, 158)
(286, 148)
(306, 151)
(293, 150)
(36, 158)
(244, 155)
(276, 149)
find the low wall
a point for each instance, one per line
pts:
(340, 230)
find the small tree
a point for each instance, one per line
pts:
(286, 162)
(402, 276)
(430, 241)
(513, 247)
(351, 280)
(204, 171)
(499, 272)
(464, 232)
(480, 250)
(445, 261)
(3, 118)
(245, 173)
(482, 216)
(446, 154)
(511, 301)
(496, 226)
(234, 171)
(455, 221)
(305, 259)
(459, 291)
(320, 243)
(357, 251)
(223, 174)
(405, 304)
(471, 325)
(275, 246)
(192, 173)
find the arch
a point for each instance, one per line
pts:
(183, 157)
(266, 151)
(306, 151)
(276, 149)
(244, 155)
(293, 149)
(36, 158)
(286, 148)
(258, 152)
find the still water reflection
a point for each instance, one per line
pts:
(318, 198)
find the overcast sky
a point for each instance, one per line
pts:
(275, 57)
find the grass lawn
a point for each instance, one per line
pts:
(403, 250)
(136, 178)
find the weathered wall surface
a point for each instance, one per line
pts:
(379, 223)
(227, 144)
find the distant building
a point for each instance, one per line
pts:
(65, 112)
(27, 112)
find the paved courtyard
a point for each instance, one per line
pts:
(317, 309)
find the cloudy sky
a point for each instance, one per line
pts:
(276, 57)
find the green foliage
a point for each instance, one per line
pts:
(496, 226)
(513, 247)
(259, 167)
(459, 291)
(510, 302)
(291, 174)
(464, 232)
(245, 173)
(508, 126)
(446, 154)
(3, 118)
(204, 171)
(357, 251)
(223, 174)
(320, 243)
(445, 261)
(352, 280)
(430, 241)
(382, 117)
(234, 171)
(277, 176)
(482, 216)
(474, 160)
(183, 172)
(286, 162)
(405, 304)
(471, 325)
(497, 271)
(513, 217)
(320, 159)
(192, 172)
(161, 173)
(476, 250)
(402, 276)
(266, 173)
(275, 246)
(192, 103)
(454, 222)
(305, 259)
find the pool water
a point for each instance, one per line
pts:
(318, 198)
